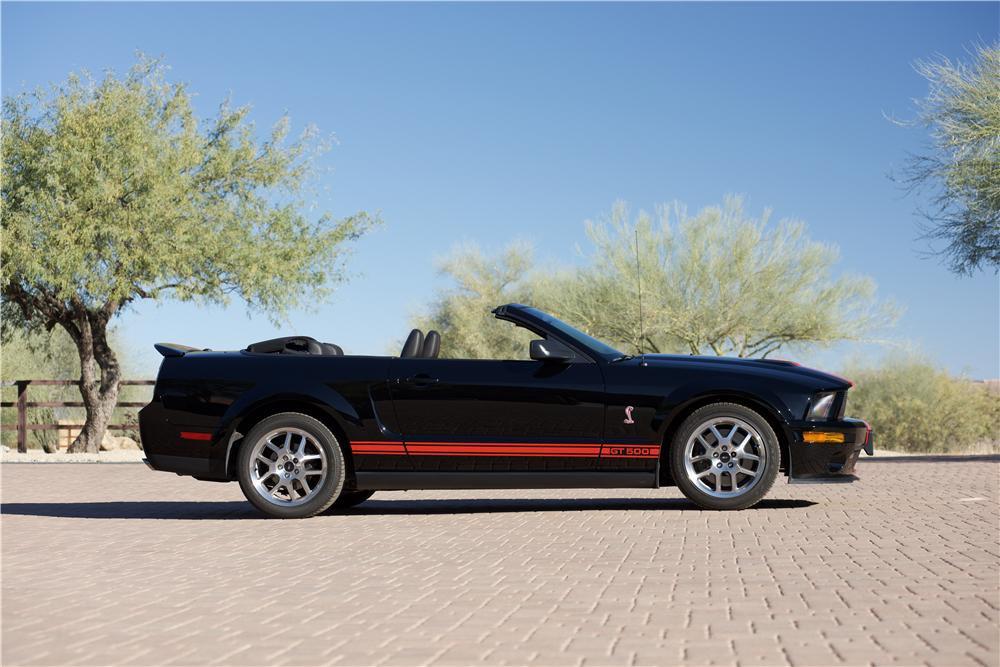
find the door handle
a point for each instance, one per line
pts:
(421, 380)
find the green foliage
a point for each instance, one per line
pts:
(718, 282)
(462, 315)
(917, 407)
(962, 169)
(43, 356)
(53, 356)
(114, 191)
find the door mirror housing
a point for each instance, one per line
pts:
(551, 350)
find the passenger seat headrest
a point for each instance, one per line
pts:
(414, 344)
(432, 345)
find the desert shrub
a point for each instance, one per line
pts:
(53, 356)
(915, 406)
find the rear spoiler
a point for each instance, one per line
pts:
(175, 349)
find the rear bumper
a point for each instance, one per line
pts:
(828, 462)
(167, 450)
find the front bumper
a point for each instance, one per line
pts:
(827, 462)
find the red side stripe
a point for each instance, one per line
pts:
(553, 449)
(195, 435)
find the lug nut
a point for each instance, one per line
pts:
(718, 465)
(716, 455)
(723, 448)
(730, 465)
(297, 470)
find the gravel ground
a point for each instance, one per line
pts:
(39, 456)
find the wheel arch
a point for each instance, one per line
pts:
(683, 411)
(265, 409)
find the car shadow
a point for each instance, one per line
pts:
(227, 510)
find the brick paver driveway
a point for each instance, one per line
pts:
(114, 564)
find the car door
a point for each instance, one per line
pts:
(467, 415)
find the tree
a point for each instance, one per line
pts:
(962, 167)
(462, 314)
(718, 282)
(114, 192)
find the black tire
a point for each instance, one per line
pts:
(349, 499)
(766, 475)
(320, 498)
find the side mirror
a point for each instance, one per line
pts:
(551, 350)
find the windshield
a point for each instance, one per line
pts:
(607, 352)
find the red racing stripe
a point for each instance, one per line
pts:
(515, 449)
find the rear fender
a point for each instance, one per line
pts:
(322, 402)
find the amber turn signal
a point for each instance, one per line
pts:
(823, 437)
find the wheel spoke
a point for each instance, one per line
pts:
(270, 479)
(744, 447)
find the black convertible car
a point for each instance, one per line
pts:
(304, 427)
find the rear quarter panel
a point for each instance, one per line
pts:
(225, 392)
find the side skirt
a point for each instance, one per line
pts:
(401, 481)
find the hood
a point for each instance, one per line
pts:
(763, 366)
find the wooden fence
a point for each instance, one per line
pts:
(23, 405)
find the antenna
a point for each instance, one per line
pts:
(638, 280)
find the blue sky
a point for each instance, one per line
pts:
(490, 122)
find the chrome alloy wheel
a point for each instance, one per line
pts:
(724, 457)
(287, 467)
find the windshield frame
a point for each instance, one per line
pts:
(550, 323)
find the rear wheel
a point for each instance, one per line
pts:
(725, 457)
(290, 466)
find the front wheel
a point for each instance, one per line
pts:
(725, 457)
(290, 466)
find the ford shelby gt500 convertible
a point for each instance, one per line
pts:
(304, 427)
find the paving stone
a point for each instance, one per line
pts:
(115, 564)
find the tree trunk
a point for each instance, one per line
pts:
(100, 376)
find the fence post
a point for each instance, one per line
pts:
(22, 415)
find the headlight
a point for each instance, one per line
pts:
(819, 408)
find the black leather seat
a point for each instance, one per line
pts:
(432, 345)
(414, 344)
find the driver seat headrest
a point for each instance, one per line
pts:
(414, 344)
(432, 345)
